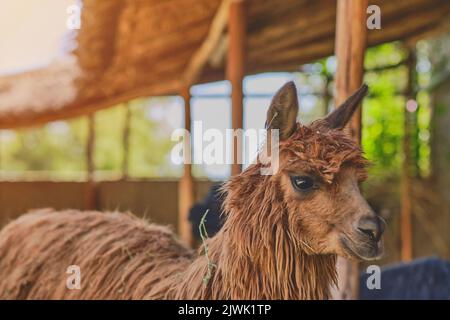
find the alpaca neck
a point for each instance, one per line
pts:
(275, 269)
(253, 256)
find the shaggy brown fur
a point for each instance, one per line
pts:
(275, 244)
(119, 255)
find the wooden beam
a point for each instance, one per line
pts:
(126, 141)
(351, 40)
(2, 200)
(218, 57)
(326, 93)
(292, 26)
(266, 10)
(443, 25)
(409, 25)
(1, 155)
(90, 200)
(350, 46)
(237, 29)
(297, 55)
(186, 190)
(212, 40)
(407, 165)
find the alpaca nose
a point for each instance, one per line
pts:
(373, 227)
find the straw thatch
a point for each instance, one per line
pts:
(129, 48)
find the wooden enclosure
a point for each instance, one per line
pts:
(156, 200)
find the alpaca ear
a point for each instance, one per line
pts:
(283, 110)
(341, 116)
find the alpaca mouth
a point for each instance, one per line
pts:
(365, 251)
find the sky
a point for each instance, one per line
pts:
(33, 33)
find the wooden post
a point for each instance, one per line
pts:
(126, 142)
(350, 45)
(186, 185)
(237, 29)
(1, 173)
(90, 202)
(408, 163)
(326, 94)
(1, 155)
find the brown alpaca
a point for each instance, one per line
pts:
(280, 239)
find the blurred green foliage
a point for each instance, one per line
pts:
(57, 146)
(58, 149)
(383, 111)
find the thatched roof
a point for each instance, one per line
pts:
(128, 49)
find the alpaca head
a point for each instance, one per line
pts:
(320, 168)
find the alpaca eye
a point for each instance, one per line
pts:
(302, 183)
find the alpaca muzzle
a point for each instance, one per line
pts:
(371, 227)
(365, 242)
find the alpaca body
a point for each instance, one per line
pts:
(280, 239)
(120, 256)
(123, 257)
